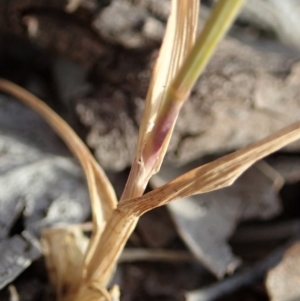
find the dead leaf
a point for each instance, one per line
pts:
(17, 253)
(102, 195)
(50, 186)
(39, 182)
(49, 192)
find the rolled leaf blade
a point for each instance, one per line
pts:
(215, 175)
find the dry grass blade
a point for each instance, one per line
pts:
(102, 194)
(178, 40)
(215, 175)
(64, 250)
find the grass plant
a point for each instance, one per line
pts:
(81, 268)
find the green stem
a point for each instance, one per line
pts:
(215, 28)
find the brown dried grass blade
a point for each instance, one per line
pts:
(178, 40)
(103, 198)
(215, 175)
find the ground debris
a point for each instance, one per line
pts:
(279, 17)
(248, 85)
(237, 281)
(17, 253)
(283, 281)
(40, 186)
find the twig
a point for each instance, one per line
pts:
(14, 296)
(130, 255)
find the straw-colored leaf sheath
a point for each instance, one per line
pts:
(178, 40)
(215, 175)
(102, 194)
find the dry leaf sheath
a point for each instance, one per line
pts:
(82, 269)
